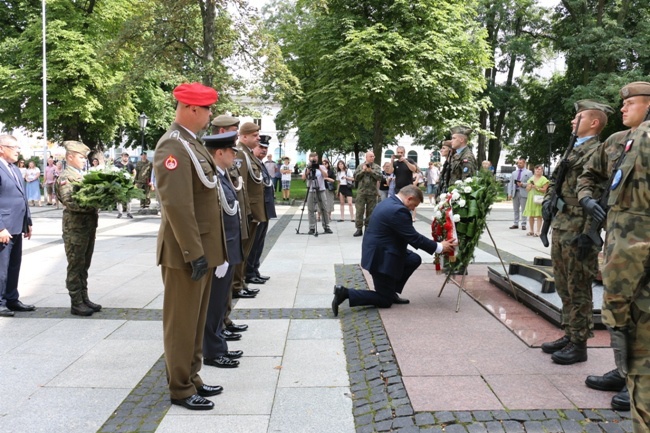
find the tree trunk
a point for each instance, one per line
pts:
(208, 15)
(377, 135)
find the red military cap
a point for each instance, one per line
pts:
(196, 94)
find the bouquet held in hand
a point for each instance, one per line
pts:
(101, 188)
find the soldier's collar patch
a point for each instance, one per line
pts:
(171, 163)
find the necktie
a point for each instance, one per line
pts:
(13, 173)
(519, 175)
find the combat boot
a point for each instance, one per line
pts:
(571, 353)
(79, 308)
(88, 302)
(621, 401)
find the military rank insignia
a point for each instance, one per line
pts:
(171, 163)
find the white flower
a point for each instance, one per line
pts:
(467, 189)
(468, 180)
(458, 182)
(461, 202)
(455, 195)
(115, 169)
(437, 215)
(456, 218)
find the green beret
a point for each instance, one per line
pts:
(638, 88)
(590, 104)
(76, 146)
(225, 121)
(248, 128)
(446, 143)
(464, 130)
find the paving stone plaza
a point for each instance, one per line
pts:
(420, 367)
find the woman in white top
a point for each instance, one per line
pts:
(345, 177)
(33, 182)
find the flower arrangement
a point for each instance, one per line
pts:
(101, 188)
(461, 213)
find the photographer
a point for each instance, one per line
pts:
(366, 176)
(316, 175)
(517, 192)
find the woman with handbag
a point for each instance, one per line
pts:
(536, 187)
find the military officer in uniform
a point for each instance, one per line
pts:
(625, 156)
(445, 152)
(221, 124)
(251, 171)
(79, 228)
(366, 177)
(143, 179)
(463, 163)
(575, 270)
(191, 242)
(223, 148)
(254, 258)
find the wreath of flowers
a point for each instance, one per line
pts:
(462, 214)
(101, 188)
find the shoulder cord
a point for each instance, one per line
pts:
(197, 165)
(249, 163)
(230, 210)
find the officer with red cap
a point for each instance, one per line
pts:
(191, 244)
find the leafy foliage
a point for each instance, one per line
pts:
(102, 188)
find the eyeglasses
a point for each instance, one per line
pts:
(10, 147)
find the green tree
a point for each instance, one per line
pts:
(389, 67)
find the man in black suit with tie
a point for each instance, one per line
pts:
(223, 148)
(15, 222)
(384, 252)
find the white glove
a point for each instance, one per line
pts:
(221, 270)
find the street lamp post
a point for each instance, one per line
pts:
(550, 128)
(142, 120)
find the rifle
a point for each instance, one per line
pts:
(594, 229)
(557, 204)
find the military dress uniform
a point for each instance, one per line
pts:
(79, 229)
(190, 228)
(626, 299)
(574, 274)
(142, 181)
(366, 193)
(462, 166)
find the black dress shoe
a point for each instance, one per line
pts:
(194, 402)
(399, 300)
(236, 328)
(621, 401)
(209, 390)
(234, 354)
(570, 354)
(311, 232)
(6, 312)
(263, 277)
(328, 231)
(255, 280)
(230, 336)
(221, 362)
(358, 233)
(244, 294)
(554, 346)
(610, 381)
(340, 295)
(19, 306)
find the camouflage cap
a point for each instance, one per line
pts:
(224, 121)
(248, 128)
(76, 146)
(590, 104)
(638, 88)
(446, 143)
(464, 130)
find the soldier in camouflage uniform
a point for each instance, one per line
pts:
(445, 172)
(573, 274)
(463, 163)
(366, 177)
(143, 179)
(79, 227)
(626, 300)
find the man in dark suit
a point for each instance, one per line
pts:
(253, 262)
(15, 222)
(223, 149)
(191, 243)
(384, 252)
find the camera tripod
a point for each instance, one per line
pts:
(312, 191)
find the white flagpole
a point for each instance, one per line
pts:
(44, 90)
